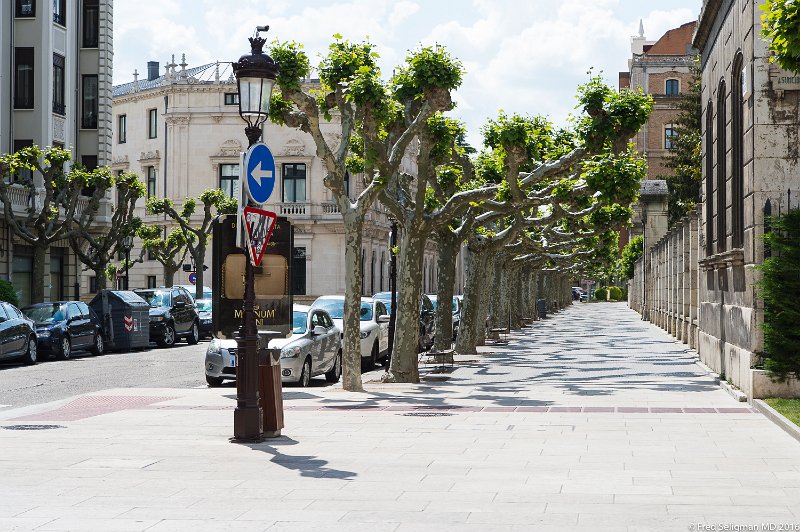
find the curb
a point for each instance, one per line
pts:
(777, 418)
(738, 395)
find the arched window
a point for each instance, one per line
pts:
(737, 142)
(672, 87)
(722, 168)
(709, 199)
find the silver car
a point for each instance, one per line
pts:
(314, 348)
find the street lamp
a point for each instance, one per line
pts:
(127, 245)
(392, 288)
(255, 76)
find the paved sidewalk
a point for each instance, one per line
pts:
(588, 420)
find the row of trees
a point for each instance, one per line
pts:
(537, 203)
(55, 212)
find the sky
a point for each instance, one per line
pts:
(520, 56)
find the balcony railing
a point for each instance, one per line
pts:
(308, 209)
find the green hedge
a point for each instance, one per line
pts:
(615, 293)
(779, 287)
(8, 294)
(600, 294)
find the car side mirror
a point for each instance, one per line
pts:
(384, 318)
(180, 304)
(319, 330)
(3, 318)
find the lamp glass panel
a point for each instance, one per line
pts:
(254, 95)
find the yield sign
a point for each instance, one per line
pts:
(259, 225)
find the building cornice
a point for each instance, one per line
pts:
(708, 16)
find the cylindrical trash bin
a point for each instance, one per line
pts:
(541, 307)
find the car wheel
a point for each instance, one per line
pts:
(99, 346)
(194, 334)
(305, 375)
(31, 353)
(213, 382)
(169, 336)
(66, 348)
(335, 373)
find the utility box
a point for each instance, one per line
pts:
(541, 307)
(125, 317)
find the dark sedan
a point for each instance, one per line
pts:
(427, 318)
(172, 315)
(65, 327)
(17, 335)
(204, 314)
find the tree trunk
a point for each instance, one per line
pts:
(485, 295)
(351, 355)
(199, 261)
(404, 366)
(474, 272)
(515, 297)
(100, 277)
(169, 276)
(37, 277)
(445, 279)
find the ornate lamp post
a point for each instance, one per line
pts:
(255, 73)
(127, 245)
(392, 287)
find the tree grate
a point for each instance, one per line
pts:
(34, 427)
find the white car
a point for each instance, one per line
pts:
(374, 325)
(314, 348)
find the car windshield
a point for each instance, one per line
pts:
(156, 299)
(366, 311)
(204, 305)
(386, 299)
(433, 300)
(335, 307)
(46, 313)
(299, 320)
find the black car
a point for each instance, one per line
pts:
(427, 318)
(17, 335)
(64, 327)
(204, 312)
(172, 315)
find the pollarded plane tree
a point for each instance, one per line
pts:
(169, 249)
(196, 229)
(53, 198)
(96, 248)
(377, 122)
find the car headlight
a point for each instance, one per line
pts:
(290, 352)
(213, 348)
(44, 333)
(157, 318)
(365, 334)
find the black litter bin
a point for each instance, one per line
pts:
(125, 317)
(541, 307)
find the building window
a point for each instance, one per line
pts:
(709, 199)
(89, 111)
(672, 87)
(89, 162)
(60, 12)
(737, 170)
(229, 179)
(152, 123)
(26, 8)
(122, 129)
(669, 136)
(59, 107)
(363, 288)
(151, 281)
(372, 275)
(23, 78)
(231, 98)
(299, 271)
(347, 183)
(722, 174)
(383, 265)
(294, 183)
(92, 284)
(91, 23)
(151, 182)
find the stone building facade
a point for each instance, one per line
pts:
(182, 134)
(55, 90)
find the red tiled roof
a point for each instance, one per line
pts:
(677, 41)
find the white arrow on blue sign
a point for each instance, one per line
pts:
(260, 172)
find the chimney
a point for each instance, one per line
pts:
(152, 70)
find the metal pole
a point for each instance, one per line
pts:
(127, 266)
(393, 288)
(248, 416)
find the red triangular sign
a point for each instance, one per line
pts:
(258, 225)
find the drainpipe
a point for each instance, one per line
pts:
(166, 153)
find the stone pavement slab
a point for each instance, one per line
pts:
(588, 420)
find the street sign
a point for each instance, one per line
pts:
(193, 278)
(259, 172)
(258, 226)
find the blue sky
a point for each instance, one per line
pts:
(524, 56)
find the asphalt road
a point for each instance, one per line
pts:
(51, 380)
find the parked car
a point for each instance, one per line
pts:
(192, 289)
(456, 311)
(204, 314)
(172, 315)
(314, 348)
(374, 325)
(17, 335)
(65, 327)
(427, 318)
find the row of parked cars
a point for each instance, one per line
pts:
(315, 345)
(63, 328)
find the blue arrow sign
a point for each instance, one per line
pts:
(260, 165)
